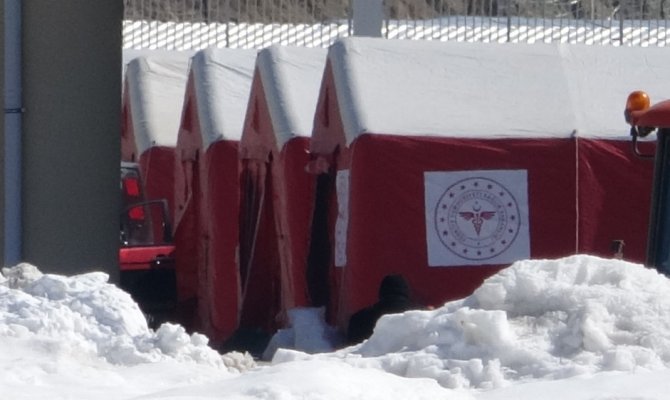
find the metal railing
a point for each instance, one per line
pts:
(196, 24)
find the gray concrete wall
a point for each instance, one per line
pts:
(72, 86)
(2, 126)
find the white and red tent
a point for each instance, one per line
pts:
(207, 188)
(448, 161)
(151, 108)
(277, 191)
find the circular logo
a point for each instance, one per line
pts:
(477, 218)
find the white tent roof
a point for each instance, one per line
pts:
(222, 81)
(490, 90)
(127, 55)
(156, 87)
(291, 78)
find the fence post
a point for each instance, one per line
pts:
(368, 16)
(508, 12)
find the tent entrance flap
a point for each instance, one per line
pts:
(318, 258)
(259, 254)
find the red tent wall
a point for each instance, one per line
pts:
(188, 229)
(157, 166)
(276, 193)
(276, 208)
(387, 224)
(580, 195)
(325, 280)
(386, 231)
(220, 282)
(208, 187)
(259, 255)
(295, 205)
(263, 281)
(206, 234)
(611, 179)
(614, 197)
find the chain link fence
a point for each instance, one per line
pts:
(605, 22)
(197, 24)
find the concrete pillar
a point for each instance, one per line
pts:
(368, 17)
(12, 163)
(2, 126)
(71, 125)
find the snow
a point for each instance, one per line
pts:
(579, 327)
(490, 90)
(222, 82)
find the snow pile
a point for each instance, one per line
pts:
(307, 331)
(315, 380)
(579, 327)
(87, 316)
(534, 320)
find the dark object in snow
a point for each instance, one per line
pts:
(394, 297)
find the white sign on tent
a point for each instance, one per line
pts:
(476, 217)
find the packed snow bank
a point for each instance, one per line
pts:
(579, 327)
(307, 331)
(318, 380)
(89, 318)
(543, 319)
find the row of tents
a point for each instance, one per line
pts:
(299, 177)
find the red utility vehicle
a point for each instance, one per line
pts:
(646, 119)
(146, 253)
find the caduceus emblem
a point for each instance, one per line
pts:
(477, 216)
